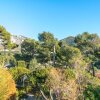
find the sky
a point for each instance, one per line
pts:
(61, 17)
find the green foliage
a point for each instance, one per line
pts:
(18, 56)
(18, 72)
(33, 64)
(2, 29)
(42, 73)
(8, 60)
(89, 45)
(5, 36)
(87, 40)
(21, 94)
(67, 56)
(75, 58)
(2, 61)
(46, 37)
(32, 81)
(28, 49)
(12, 46)
(21, 64)
(45, 51)
(69, 74)
(92, 92)
(44, 55)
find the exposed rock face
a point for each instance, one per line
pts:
(14, 39)
(17, 39)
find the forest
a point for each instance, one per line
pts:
(50, 69)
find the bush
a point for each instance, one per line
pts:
(92, 92)
(18, 72)
(69, 73)
(1, 61)
(21, 63)
(6, 60)
(33, 64)
(7, 85)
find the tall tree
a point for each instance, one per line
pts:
(46, 37)
(5, 37)
(68, 56)
(87, 42)
(49, 45)
(29, 49)
(89, 45)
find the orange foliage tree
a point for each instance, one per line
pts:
(7, 85)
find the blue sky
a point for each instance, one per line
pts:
(60, 17)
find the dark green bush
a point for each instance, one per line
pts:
(92, 92)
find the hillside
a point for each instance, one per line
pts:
(48, 69)
(69, 40)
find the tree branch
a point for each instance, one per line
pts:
(43, 95)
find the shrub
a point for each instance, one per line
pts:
(7, 85)
(33, 64)
(18, 72)
(21, 63)
(69, 73)
(92, 92)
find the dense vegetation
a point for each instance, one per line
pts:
(51, 69)
(7, 85)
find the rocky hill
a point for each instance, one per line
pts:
(69, 40)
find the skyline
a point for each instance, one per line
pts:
(61, 17)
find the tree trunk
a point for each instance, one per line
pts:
(43, 95)
(51, 94)
(93, 71)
